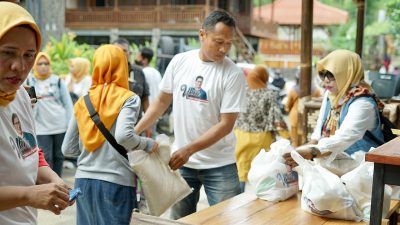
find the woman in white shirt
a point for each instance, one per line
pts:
(349, 110)
(78, 80)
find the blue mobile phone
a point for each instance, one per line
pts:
(73, 194)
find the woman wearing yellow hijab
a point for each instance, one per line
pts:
(52, 112)
(25, 184)
(103, 174)
(78, 80)
(256, 128)
(348, 111)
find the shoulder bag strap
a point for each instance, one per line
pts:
(96, 119)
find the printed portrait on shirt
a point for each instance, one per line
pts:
(196, 92)
(24, 143)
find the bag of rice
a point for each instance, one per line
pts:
(158, 179)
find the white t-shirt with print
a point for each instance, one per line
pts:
(18, 154)
(197, 105)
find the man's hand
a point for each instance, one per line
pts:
(179, 158)
(52, 196)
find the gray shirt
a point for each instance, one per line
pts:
(106, 163)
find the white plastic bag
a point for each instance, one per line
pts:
(359, 183)
(323, 193)
(342, 164)
(272, 178)
(162, 186)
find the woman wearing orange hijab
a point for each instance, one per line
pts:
(256, 128)
(104, 175)
(25, 185)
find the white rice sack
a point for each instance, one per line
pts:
(162, 186)
(324, 194)
(164, 149)
(272, 179)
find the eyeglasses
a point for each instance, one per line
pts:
(325, 73)
(43, 64)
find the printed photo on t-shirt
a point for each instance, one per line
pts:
(24, 143)
(196, 92)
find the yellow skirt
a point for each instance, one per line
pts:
(248, 145)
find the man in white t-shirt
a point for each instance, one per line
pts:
(152, 77)
(204, 114)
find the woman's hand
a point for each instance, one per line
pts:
(306, 153)
(154, 148)
(52, 196)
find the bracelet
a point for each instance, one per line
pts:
(314, 152)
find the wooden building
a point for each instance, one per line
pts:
(99, 21)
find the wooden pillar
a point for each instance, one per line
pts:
(207, 7)
(306, 47)
(360, 26)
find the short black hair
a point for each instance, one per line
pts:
(121, 41)
(201, 77)
(147, 53)
(218, 16)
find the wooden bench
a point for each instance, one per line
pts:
(247, 209)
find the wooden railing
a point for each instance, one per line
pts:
(177, 17)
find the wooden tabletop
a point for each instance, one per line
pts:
(247, 209)
(388, 153)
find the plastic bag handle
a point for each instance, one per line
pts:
(299, 159)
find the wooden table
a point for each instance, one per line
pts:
(386, 160)
(247, 209)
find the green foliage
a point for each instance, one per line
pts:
(193, 43)
(257, 3)
(66, 48)
(393, 14)
(343, 36)
(135, 49)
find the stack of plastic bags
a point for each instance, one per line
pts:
(347, 197)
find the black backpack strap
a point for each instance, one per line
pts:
(96, 119)
(373, 138)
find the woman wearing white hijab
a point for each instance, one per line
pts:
(24, 185)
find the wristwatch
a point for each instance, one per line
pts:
(314, 152)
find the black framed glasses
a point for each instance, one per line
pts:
(325, 73)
